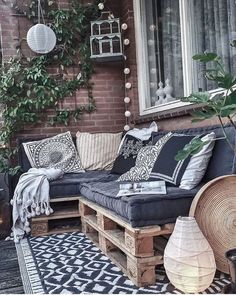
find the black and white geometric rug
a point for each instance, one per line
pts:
(72, 264)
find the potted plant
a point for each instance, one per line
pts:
(221, 104)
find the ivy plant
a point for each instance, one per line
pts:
(28, 90)
(221, 105)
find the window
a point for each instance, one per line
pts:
(168, 34)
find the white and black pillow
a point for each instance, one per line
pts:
(145, 161)
(166, 167)
(198, 163)
(127, 154)
(55, 152)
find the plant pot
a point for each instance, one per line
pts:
(231, 258)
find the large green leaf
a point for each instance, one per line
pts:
(206, 57)
(191, 148)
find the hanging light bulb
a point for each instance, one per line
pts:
(127, 114)
(128, 85)
(126, 71)
(126, 41)
(41, 38)
(126, 127)
(127, 99)
(124, 26)
(100, 6)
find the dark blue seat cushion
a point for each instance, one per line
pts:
(141, 210)
(69, 185)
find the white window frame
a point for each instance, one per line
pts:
(142, 67)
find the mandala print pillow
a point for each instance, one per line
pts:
(55, 152)
(145, 161)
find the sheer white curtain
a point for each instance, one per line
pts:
(215, 28)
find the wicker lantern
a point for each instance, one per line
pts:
(41, 38)
(188, 258)
(105, 40)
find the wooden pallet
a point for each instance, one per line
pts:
(66, 218)
(136, 251)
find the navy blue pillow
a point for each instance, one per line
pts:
(166, 167)
(127, 154)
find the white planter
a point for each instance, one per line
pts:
(188, 258)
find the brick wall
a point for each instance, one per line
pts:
(108, 82)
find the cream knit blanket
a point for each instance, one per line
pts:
(31, 198)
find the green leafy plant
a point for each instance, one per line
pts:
(221, 105)
(28, 90)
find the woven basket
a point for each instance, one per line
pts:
(214, 208)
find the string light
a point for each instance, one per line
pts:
(127, 99)
(127, 114)
(100, 6)
(128, 85)
(126, 71)
(126, 42)
(124, 26)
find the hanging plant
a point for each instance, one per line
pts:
(27, 90)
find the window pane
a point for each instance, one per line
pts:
(163, 50)
(214, 28)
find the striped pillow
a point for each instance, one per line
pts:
(97, 151)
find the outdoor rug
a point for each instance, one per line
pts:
(72, 264)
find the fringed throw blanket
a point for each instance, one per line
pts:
(31, 198)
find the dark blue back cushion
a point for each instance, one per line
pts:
(223, 160)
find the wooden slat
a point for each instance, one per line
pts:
(61, 214)
(64, 199)
(148, 230)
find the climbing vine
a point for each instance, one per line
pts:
(27, 90)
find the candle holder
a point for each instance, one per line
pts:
(231, 258)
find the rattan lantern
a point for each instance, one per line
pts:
(188, 258)
(41, 38)
(105, 39)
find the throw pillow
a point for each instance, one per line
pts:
(127, 154)
(198, 164)
(166, 167)
(55, 152)
(145, 161)
(142, 134)
(97, 151)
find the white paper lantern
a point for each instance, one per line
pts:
(127, 99)
(188, 258)
(41, 38)
(127, 114)
(126, 127)
(128, 85)
(124, 26)
(126, 71)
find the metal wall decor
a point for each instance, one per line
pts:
(106, 39)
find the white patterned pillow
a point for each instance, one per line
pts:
(55, 152)
(145, 161)
(198, 163)
(97, 151)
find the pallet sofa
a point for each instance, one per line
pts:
(132, 231)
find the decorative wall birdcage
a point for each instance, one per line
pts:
(106, 39)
